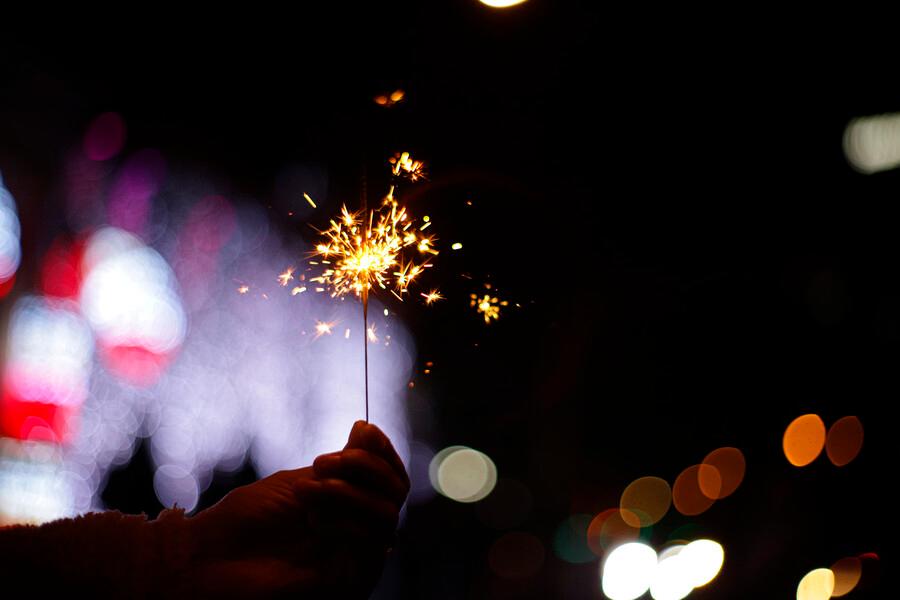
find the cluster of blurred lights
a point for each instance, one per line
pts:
(211, 379)
(805, 438)
(462, 474)
(634, 567)
(10, 244)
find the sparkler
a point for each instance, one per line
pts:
(368, 250)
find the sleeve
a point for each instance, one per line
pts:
(110, 554)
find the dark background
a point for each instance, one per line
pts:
(668, 201)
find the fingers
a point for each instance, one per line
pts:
(366, 469)
(366, 436)
(345, 496)
(336, 505)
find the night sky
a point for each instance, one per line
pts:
(695, 262)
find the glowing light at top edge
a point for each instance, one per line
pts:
(804, 440)
(501, 3)
(816, 585)
(629, 571)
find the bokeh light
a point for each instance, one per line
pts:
(10, 233)
(702, 560)
(818, 584)
(872, 144)
(804, 439)
(645, 501)
(463, 474)
(721, 472)
(130, 197)
(570, 542)
(516, 555)
(628, 571)
(688, 497)
(609, 529)
(105, 137)
(847, 573)
(672, 580)
(45, 376)
(176, 486)
(33, 487)
(844, 440)
(130, 298)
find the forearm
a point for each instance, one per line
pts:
(110, 553)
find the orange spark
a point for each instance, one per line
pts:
(323, 328)
(285, 277)
(432, 297)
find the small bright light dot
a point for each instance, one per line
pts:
(385, 312)
(628, 571)
(816, 585)
(701, 561)
(457, 246)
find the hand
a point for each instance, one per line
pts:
(320, 531)
(355, 501)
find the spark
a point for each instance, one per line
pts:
(488, 305)
(310, 200)
(432, 297)
(323, 328)
(457, 246)
(347, 334)
(386, 312)
(405, 166)
(370, 333)
(362, 251)
(298, 290)
(243, 289)
(285, 277)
